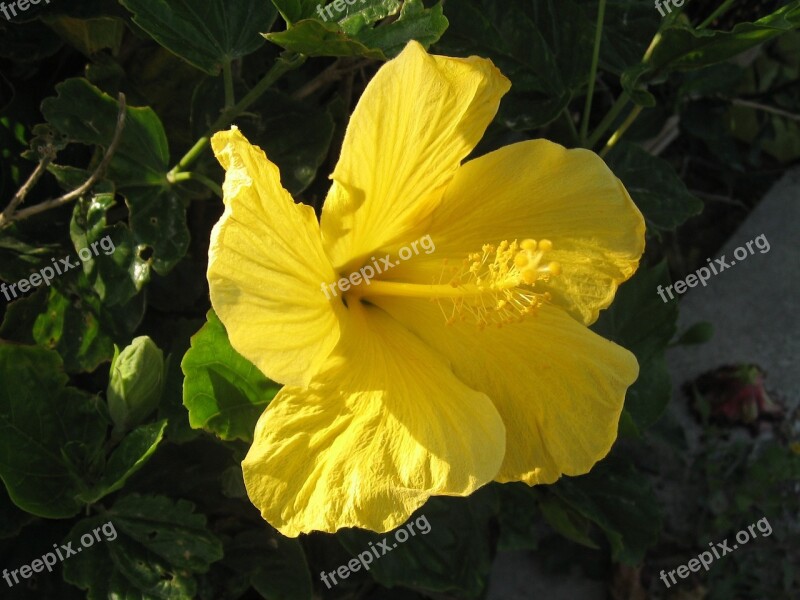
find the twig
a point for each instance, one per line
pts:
(766, 108)
(329, 75)
(93, 178)
(26, 187)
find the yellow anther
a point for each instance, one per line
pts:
(545, 245)
(530, 276)
(528, 244)
(554, 269)
(521, 260)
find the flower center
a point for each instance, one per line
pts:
(496, 286)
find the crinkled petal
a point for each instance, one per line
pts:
(266, 266)
(418, 118)
(558, 386)
(383, 427)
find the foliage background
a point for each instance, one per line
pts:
(701, 109)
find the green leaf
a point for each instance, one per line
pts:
(160, 545)
(425, 25)
(158, 224)
(27, 42)
(178, 332)
(519, 516)
(618, 498)
(642, 322)
(294, 10)
(569, 523)
(357, 16)
(654, 186)
(543, 47)
(352, 37)
(699, 333)
(88, 36)
(205, 34)
(116, 271)
(453, 558)
(133, 452)
(88, 116)
(12, 519)
(351, 17)
(639, 319)
(314, 38)
(71, 326)
(224, 392)
(295, 136)
(50, 435)
(682, 47)
(274, 565)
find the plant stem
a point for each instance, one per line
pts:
(571, 125)
(227, 77)
(598, 36)
(610, 117)
(281, 67)
(622, 129)
(188, 159)
(722, 9)
(200, 178)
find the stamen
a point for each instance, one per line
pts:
(496, 286)
(502, 281)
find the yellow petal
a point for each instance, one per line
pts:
(540, 190)
(266, 266)
(383, 427)
(418, 118)
(558, 386)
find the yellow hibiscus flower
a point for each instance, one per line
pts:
(469, 364)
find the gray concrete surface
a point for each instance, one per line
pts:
(754, 304)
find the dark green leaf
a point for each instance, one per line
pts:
(426, 25)
(50, 435)
(654, 186)
(699, 333)
(454, 556)
(295, 136)
(566, 521)
(159, 546)
(294, 10)
(275, 565)
(115, 270)
(88, 36)
(543, 47)
(224, 392)
(158, 224)
(519, 516)
(681, 47)
(133, 452)
(205, 34)
(12, 519)
(642, 322)
(317, 38)
(620, 501)
(72, 326)
(87, 115)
